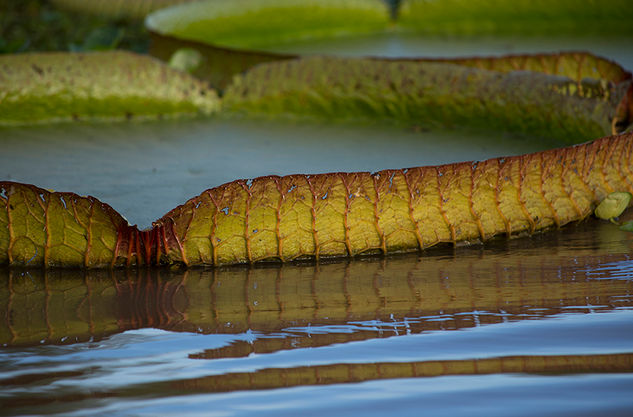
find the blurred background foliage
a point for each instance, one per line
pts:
(38, 25)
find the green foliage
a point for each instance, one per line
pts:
(100, 39)
(36, 25)
(116, 9)
(428, 94)
(62, 86)
(529, 17)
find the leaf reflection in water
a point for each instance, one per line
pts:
(275, 327)
(454, 289)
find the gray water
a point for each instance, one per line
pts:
(143, 170)
(410, 45)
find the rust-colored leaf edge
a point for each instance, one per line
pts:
(605, 165)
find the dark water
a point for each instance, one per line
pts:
(540, 326)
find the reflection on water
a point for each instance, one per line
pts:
(556, 305)
(368, 298)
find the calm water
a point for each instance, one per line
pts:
(538, 326)
(410, 45)
(145, 169)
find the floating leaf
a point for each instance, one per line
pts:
(234, 35)
(256, 23)
(613, 205)
(43, 228)
(431, 94)
(530, 17)
(64, 86)
(325, 215)
(574, 65)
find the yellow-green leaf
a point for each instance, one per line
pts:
(38, 87)
(613, 205)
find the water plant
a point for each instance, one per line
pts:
(568, 96)
(318, 216)
(57, 86)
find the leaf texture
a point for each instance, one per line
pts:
(432, 94)
(43, 228)
(527, 17)
(574, 65)
(324, 215)
(37, 87)
(347, 214)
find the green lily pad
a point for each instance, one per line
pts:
(608, 18)
(429, 94)
(234, 36)
(255, 23)
(48, 87)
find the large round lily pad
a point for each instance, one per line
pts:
(39, 87)
(236, 35)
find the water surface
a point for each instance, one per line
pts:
(144, 169)
(545, 323)
(528, 326)
(411, 45)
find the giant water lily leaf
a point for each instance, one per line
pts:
(432, 94)
(226, 33)
(40, 227)
(244, 32)
(256, 23)
(575, 65)
(116, 9)
(533, 17)
(38, 87)
(326, 215)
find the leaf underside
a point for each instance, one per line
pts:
(570, 96)
(321, 216)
